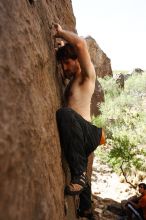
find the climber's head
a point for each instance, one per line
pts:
(66, 52)
(67, 56)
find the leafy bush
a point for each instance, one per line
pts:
(124, 120)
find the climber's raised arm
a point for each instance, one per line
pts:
(87, 68)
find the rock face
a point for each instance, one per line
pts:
(32, 179)
(31, 175)
(100, 60)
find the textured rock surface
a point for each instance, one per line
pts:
(31, 175)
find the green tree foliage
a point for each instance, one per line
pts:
(124, 120)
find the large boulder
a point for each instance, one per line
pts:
(100, 60)
(31, 175)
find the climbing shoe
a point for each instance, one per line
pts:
(77, 185)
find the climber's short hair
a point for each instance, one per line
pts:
(66, 52)
(143, 185)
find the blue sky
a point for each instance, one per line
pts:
(118, 26)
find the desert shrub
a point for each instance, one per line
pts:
(124, 120)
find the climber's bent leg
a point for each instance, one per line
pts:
(72, 142)
(78, 139)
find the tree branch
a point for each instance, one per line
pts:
(124, 174)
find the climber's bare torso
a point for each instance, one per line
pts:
(78, 96)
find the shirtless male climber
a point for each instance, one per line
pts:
(78, 137)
